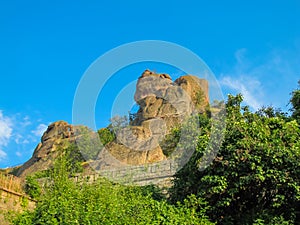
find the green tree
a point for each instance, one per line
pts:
(87, 143)
(67, 202)
(295, 101)
(106, 135)
(32, 187)
(255, 176)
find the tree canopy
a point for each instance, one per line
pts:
(255, 176)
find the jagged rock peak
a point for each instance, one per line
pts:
(58, 135)
(148, 73)
(159, 97)
(59, 129)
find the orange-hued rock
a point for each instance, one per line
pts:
(159, 97)
(58, 136)
(163, 105)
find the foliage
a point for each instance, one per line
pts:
(67, 202)
(106, 136)
(32, 187)
(75, 159)
(255, 176)
(295, 101)
(87, 144)
(169, 143)
(41, 174)
(270, 112)
(198, 99)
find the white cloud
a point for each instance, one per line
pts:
(264, 80)
(5, 133)
(19, 139)
(25, 141)
(41, 128)
(249, 88)
(5, 129)
(2, 154)
(26, 122)
(242, 80)
(240, 56)
(19, 133)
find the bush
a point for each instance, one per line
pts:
(32, 187)
(67, 202)
(106, 135)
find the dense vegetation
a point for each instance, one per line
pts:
(254, 179)
(67, 202)
(255, 176)
(295, 101)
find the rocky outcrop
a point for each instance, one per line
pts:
(196, 89)
(163, 104)
(58, 136)
(159, 97)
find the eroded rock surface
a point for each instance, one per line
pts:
(163, 104)
(58, 135)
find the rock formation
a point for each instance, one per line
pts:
(58, 135)
(163, 104)
(159, 97)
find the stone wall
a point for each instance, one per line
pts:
(13, 201)
(160, 174)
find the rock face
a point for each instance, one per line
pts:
(163, 104)
(58, 135)
(159, 97)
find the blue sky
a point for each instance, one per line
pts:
(252, 47)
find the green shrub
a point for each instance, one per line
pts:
(106, 135)
(32, 187)
(67, 202)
